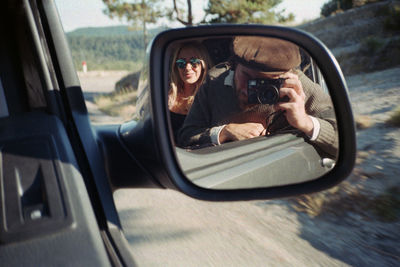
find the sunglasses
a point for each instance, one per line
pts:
(181, 63)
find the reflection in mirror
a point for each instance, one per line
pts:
(249, 112)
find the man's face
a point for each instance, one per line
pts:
(242, 75)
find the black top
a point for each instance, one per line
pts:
(177, 122)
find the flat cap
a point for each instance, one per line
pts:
(266, 54)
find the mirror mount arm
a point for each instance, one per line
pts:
(124, 170)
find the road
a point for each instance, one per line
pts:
(167, 228)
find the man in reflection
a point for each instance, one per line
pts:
(260, 92)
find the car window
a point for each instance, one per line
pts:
(107, 57)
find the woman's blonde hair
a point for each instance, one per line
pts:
(176, 83)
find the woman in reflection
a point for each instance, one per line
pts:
(189, 67)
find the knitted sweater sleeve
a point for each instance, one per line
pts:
(319, 105)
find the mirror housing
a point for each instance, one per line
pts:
(150, 139)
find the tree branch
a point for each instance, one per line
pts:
(190, 15)
(177, 11)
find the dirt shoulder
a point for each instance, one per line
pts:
(357, 228)
(97, 83)
(376, 95)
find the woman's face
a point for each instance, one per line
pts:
(190, 73)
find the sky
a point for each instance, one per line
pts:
(89, 13)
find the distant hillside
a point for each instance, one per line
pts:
(101, 31)
(110, 31)
(363, 39)
(108, 48)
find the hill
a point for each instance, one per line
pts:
(103, 31)
(111, 31)
(108, 48)
(363, 39)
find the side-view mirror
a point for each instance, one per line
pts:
(235, 112)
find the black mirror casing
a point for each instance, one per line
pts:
(150, 139)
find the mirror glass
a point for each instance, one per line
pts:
(248, 112)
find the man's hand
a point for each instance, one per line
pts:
(295, 108)
(241, 131)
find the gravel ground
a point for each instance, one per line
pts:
(95, 83)
(166, 228)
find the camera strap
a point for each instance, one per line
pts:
(273, 125)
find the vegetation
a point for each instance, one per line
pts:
(105, 31)
(387, 205)
(335, 6)
(121, 48)
(245, 11)
(371, 45)
(217, 11)
(349, 198)
(392, 22)
(394, 120)
(179, 13)
(140, 13)
(121, 103)
(108, 48)
(101, 52)
(344, 195)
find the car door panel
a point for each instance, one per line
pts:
(45, 208)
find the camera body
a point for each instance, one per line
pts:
(264, 91)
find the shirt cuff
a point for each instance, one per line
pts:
(316, 130)
(214, 134)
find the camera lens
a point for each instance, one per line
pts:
(270, 95)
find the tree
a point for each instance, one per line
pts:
(179, 13)
(137, 12)
(335, 6)
(245, 11)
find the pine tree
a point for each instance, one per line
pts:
(137, 12)
(245, 11)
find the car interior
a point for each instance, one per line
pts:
(47, 205)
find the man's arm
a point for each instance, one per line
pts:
(319, 105)
(241, 131)
(308, 99)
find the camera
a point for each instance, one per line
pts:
(264, 91)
